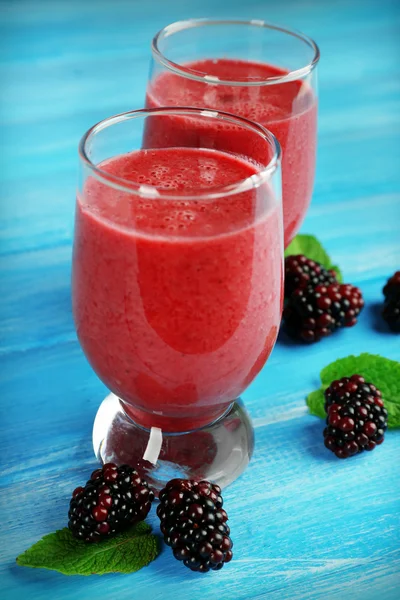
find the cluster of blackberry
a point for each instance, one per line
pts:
(315, 303)
(193, 521)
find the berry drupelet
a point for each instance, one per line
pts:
(357, 418)
(391, 307)
(193, 523)
(314, 313)
(301, 272)
(113, 499)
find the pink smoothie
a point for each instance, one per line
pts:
(288, 110)
(177, 303)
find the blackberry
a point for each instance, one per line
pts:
(313, 313)
(113, 499)
(391, 307)
(354, 427)
(193, 523)
(357, 417)
(347, 389)
(301, 272)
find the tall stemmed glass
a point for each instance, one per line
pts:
(177, 285)
(254, 69)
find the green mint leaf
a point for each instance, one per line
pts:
(313, 249)
(382, 372)
(60, 551)
(315, 402)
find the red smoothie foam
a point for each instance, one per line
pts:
(288, 110)
(177, 302)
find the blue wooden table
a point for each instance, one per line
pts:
(305, 525)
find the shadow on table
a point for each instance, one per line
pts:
(375, 315)
(285, 340)
(316, 448)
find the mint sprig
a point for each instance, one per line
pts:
(382, 372)
(60, 551)
(313, 249)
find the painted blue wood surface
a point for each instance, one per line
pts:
(305, 525)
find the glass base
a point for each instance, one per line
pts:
(218, 452)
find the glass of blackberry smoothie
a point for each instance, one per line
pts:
(177, 285)
(250, 68)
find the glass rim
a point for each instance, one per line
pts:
(178, 26)
(150, 191)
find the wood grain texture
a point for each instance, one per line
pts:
(305, 525)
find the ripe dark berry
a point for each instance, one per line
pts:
(205, 550)
(314, 313)
(100, 513)
(113, 499)
(356, 419)
(103, 528)
(369, 429)
(228, 556)
(196, 512)
(77, 491)
(194, 524)
(346, 424)
(216, 556)
(391, 307)
(301, 272)
(97, 473)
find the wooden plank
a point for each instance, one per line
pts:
(305, 525)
